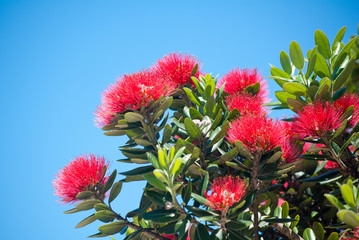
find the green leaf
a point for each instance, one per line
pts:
(209, 89)
(186, 192)
(323, 44)
(344, 75)
(86, 221)
(333, 200)
(138, 171)
(101, 206)
(338, 38)
(295, 105)
(194, 70)
(243, 151)
(333, 236)
(323, 89)
(199, 198)
(110, 181)
(280, 81)
(347, 194)
(155, 182)
(210, 107)
(283, 96)
(105, 216)
(84, 195)
(133, 117)
(285, 62)
(275, 157)
(296, 55)
(201, 233)
(279, 220)
(143, 142)
(321, 67)
(192, 96)
(220, 135)
(348, 217)
(308, 234)
(295, 88)
(87, 204)
(279, 73)
(318, 230)
(344, 53)
(322, 177)
(167, 133)
(338, 94)
(98, 235)
(195, 114)
(116, 189)
(112, 228)
(115, 133)
(204, 183)
(285, 209)
(160, 215)
(192, 129)
(74, 210)
(311, 62)
(175, 166)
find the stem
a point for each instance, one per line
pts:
(343, 167)
(286, 231)
(223, 221)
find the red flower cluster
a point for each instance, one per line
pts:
(317, 120)
(80, 174)
(238, 79)
(342, 104)
(177, 68)
(130, 93)
(246, 103)
(225, 191)
(258, 133)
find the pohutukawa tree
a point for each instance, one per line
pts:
(216, 166)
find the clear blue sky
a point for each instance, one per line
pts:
(56, 57)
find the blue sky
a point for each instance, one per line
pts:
(56, 57)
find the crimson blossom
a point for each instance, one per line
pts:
(246, 103)
(316, 120)
(355, 234)
(225, 191)
(258, 133)
(346, 101)
(177, 67)
(238, 79)
(79, 175)
(132, 92)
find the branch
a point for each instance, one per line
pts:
(286, 231)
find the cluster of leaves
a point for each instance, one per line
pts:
(180, 160)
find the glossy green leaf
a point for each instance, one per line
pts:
(133, 117)
(84, 195)
(116, 189)
(283, 96)
(323, 44)
(285, 62)
(347, 194)
(192, 96)
(295, 88)
(333, 236)
(344, 53)
(101, 206)
(192, 129)
(280, 81)
(295, 105)
(195, 114)
(159, 215)
(338, 38)
(115, 133)
(308, 234)
(338, 94)
(138, 171)
(105, 216)
(279, 73)
(143, 142)
(110, 181)
(86, 221)
(98, 235)
(322, 177)
(349, 217)
(160, 175)
(333, 200)
(318, 231)
(87, 204)
(243, 151)
(201, 233)
(155, 182)
(344, 75)
(112, 228)
(323, 90)
(279, 220)
(199, 198)
(285, 209)
(194, 70)
(311, 62)
(321, 67)
(186, 192)
(296, 55)
(74, 210)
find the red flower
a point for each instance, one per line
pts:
(225, 191)
(245, 103)
(79, 175)
(237, 80)
(258, 133)
(346, 101)
(169, 236)
(132, 92)
(317, 120)
(290, 149)
(177, 67)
